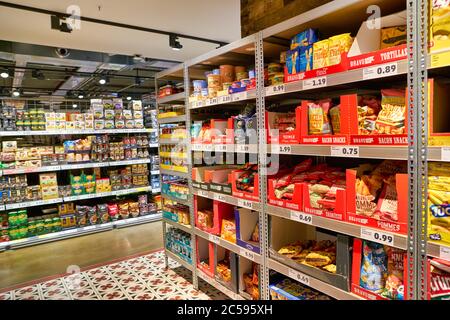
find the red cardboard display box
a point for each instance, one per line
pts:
(439, 128)
(372, 139)
(438, 282)
(356, 273)
(220, 211)
(252, 196)
(205, 252)
(273, 134)
(330, 139)
(399, 226)
(297, 200)
(340, 211)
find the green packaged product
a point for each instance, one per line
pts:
(48, 222)
(23, 231)
(13, 233)
(57, 224)
(12, 219)
(31, 228)
(40, 227)
(22, 217)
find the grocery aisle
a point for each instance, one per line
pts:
(141, 277)
(32, 263)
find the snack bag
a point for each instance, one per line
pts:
(387, 203)
(394, 288)
(391, 119)
(303, 39)
(228, 231)
(320, 54)
(440, 279)
(335, 115)
(440, 25)
(336, 46)
(316, 121)
(373, 267)
(393, 36)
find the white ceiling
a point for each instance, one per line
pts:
(213, 19)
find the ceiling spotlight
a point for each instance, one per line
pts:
(16, 93)
(174, 43)
(80, 96)
(103, 80)
(74, 106)
(38, 74)
(129, 98)
(4, 74)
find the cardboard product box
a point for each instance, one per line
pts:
(249, 288)
(400, 261)
(341, 138)
(351, 102)
(297, 200)
(232, 281)
(252, 196)
(277, 120)
(399, 226)
(219, 180)
(219, 131)
(366, 49)
(220, 211)
(438, 106)
(438, 279)
(284, 232)
(246, 221)
(205, 256)
(339, 212)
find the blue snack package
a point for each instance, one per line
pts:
(299, 59)
(304, 39)
(373, 267)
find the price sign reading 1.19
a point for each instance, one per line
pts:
(315, 83)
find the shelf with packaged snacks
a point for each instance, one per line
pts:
(29, 204)
(223, 99)
(173, 98)
(74, 166)
(237, 148)
(77, 232)
(176, 258)
(177, 225)
(72, 132)
(181, 118)
(227, 199)
(173, 141)
(219, 286)
(311, 281)
(255, 257)
(171, 198)
(107, 194)
(394, 240)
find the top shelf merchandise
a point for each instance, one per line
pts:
(340, 90)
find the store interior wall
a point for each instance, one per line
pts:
(217, 20)
(257, 15)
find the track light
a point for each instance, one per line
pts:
(129, 98)
(38, 74)
(80, 96)
(174, 43)
(103, 80)
(74, 106)
(4, 74)
(16, 93)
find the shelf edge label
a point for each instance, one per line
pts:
(377, 236)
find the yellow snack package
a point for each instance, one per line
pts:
(393, 36)
(440, 25)
(439, 216)
(338, 45)
(320, 54)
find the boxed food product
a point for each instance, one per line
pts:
(377, 195)
(319, 253)
(228, 230)
(338, 45)
(226, 268)
(320, 54)
(245, 183)
(209, 214)
(299, 60)
(248, 279)
(287, 289)
(284, 127)
(439, 287)
(304, 38)
(378, 271)
(438, 202)
(440, 25)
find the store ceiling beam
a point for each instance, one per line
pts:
(19, 73)
(108, 23)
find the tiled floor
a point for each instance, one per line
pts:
(140, 278)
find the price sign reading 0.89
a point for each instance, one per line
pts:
(383, 70)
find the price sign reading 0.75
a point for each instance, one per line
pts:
(351, 152)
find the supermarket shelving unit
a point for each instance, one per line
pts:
(80, 231)
(266, 44)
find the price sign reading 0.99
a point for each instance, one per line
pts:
(377, 236)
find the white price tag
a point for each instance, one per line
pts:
(214, 239)
(350, 152)
(225, 99)
(277, 89)
(445, 154)
(88, 228)
(219, 197)
(444, 253)
(301, 217)
(198, 104)
(247, 254)
(203, 193)
(120, 222)
(196, 147)
(242, 148)
(315, 83)
(220, 147)
(281, 149)
(211, 101)
(245, 203)
(383, 70)
(377, 236)
(240, 96)
(300, 277)
(207, 147)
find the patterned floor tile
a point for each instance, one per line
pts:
(139, 278)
